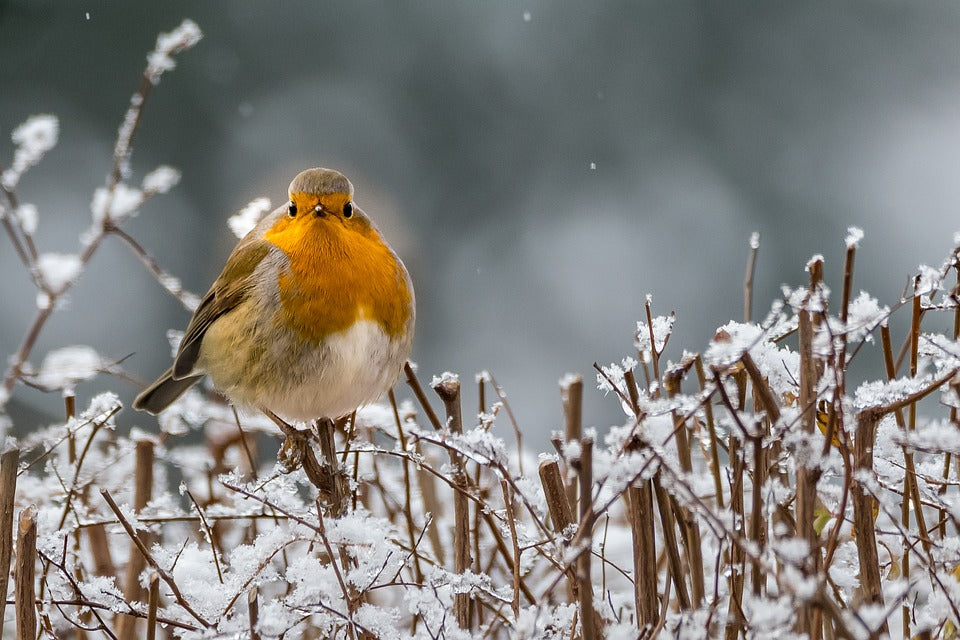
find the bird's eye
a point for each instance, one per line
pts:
(292, 208)
(348, 210)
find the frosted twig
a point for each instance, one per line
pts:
(748, 278)
(513, 420)
(167, 281)
(166, 577)
(186, 37)
(209, 532)
(76, 589)
(421, 396)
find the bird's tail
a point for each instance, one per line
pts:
(163, 391)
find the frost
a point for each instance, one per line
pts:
(242, 222)
(33, 138)
(63, 368)
(102, 404)
(160, 180)
(613, 378)
(27, 218)
(444, 378)
(878, 393)
(569, 379)
(863, 316)
(793, 550)
(160, 59)
(873, 615)
(929, 280)
(57, 270)
(934, 437)
(662, 326)
(854, 236)
(116, 206)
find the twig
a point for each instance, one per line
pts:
(76, 589)
(8, 489)
(152, 604)
(209, 532)
(347, 596)
(421, 397)
(166, 577)
(99, 229)
(712, 431)
(571, 395)
(644, 553)
(508, 504)
(253, 612)
(407, 481)
(187, 299)
(24, 573)
(142, 492)
(449, 391)
(583, 465)
(518, 435)
(748, 278)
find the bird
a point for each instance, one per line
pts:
(311, 318)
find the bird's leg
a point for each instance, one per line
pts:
(288, 429)
(337, 502)
(297, 452)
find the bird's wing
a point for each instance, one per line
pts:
(229, 290)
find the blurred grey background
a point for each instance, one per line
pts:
(539, 165)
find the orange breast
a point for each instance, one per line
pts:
(338, 274)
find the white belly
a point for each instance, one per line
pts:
(352, 368)
(346, 370)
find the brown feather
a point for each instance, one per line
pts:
(228, 291)
(163, 391)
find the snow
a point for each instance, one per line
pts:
(879, 392)
(864, 315)
(854, 236)
(755, 240)
(27, 217)
(174, 337)
(161, 180)
(444, 378)
(160, 59)
(662, 326)
(37, 135)
(612, 377)
(57, 270)
(929, 281)
(115, 206)
(242, 222)
(64, 367)
(939, 436)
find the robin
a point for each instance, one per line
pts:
(312, 316)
